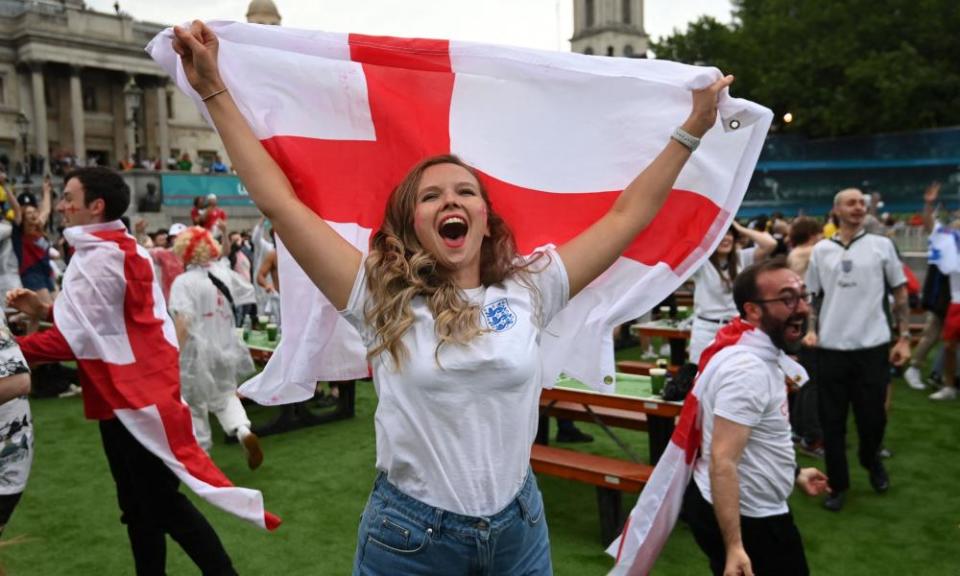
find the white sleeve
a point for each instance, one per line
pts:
(356, 304)
(892, 266)
(180, 301)
(812, 279)
(11, 358)
(741, 395)
(550, 277)
(747, 257)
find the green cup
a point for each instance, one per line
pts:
(272, 332)
(658, 379)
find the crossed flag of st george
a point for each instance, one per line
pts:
(554, 136)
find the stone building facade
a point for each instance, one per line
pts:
(609, 28)
(77, 84)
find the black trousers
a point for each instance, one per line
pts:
(858, 379)
(805, 409)
(772, 543)
(151, 506)
(7, 503)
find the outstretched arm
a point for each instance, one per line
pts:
(43, 212)
(595, 249)
(329, 260)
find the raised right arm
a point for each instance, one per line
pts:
(330, 261)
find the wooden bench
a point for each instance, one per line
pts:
(640, 367)
(610, 416)
(611, 476)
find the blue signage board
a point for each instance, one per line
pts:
(181, 189)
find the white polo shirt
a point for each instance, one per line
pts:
(854, 280)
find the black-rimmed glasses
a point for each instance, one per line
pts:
(791, 300)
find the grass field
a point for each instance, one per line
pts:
(318, 479)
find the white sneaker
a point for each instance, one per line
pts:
(914, 378)
(945, 393)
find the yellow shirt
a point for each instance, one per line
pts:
(829, 229)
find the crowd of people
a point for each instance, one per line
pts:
(828, 300)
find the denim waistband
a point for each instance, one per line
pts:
(524, 506)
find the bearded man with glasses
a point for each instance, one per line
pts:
(736, 504)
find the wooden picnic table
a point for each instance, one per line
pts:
(631, 406)
(677, 332)
(300, 414)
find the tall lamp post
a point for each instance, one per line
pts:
(23, 128)
(133, 96)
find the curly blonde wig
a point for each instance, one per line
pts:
(196, 245)
(399, 268)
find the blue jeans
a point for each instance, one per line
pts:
(401, 535)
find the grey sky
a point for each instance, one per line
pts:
(545, 24)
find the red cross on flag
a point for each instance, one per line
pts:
(555, 137)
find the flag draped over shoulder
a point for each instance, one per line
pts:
(113, 316)
(554, 136)
(656, 511)
(943, 251)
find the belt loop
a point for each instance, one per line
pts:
(437, 521)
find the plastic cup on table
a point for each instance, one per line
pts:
(262, 321)
(272, 332)
(683, 312)
(658, 379)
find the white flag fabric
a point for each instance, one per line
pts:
(554, 136)
(943, 250)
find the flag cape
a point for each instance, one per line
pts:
(942, 249)
(656, 511)
(554, 136)
(112, 314)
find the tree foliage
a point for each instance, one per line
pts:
(841, 67)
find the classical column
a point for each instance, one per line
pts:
(163, 128)
(40, 114)
(76, 115)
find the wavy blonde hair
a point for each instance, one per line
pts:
(399, 268)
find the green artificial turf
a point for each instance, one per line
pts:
(317, 480)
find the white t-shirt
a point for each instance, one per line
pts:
(854, 281)
(458, 437)
(747, 386)
(711, 298)
(16, 422)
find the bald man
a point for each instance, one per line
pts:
(850, 274)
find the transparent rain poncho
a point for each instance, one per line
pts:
(213, 359)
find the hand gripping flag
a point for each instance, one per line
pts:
(555, 137)
(113, 316)
(656, 511)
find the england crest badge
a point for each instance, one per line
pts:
(498, 315)
(846, 266)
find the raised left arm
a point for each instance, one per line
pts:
(764, 242)
(595, 249)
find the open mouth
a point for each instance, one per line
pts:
(453, 231)
(795, 328)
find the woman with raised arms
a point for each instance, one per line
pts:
(451, 317)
